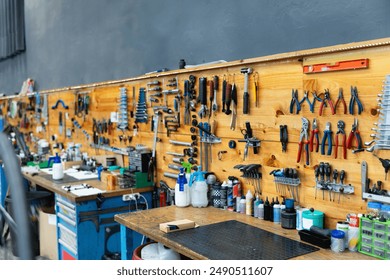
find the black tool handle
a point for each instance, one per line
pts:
(322, 171)
(216, 82)
(203, 90)
(245, 109)
(224, 86)
(228, 99)
(342, 176)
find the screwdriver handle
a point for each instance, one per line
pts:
(342, 176)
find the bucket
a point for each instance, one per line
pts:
(312, 218)
(154, 251)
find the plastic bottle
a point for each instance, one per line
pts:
(182, 192)
(267, 209)
(242, 205)
(261, 210)
(276, 210)
(271, 210)
(199, 189)
(236, 191)
(224, 187)
(249, 204)
(58, 169)
(229, 195)
(256, 207)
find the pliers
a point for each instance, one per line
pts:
(314, 133)
(327, 136)
(355, 133)
(304, 135)
(341, 100)
(325, 100)
(295, 101)
(355, 99)
(341, 127)
(305, 97)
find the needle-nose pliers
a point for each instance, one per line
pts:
(327, 137)
(341, 100)
(306, 97)
(355, 99)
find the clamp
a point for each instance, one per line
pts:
(311, 104)
(355, 99)
(314, 133)
(340, 126)
(341, 100)
(327, 100)
(304, 135)
(327, 136)
(294, 102)
(355, 133)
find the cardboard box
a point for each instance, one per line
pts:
(177, 225)
(104, 178)
(48, 235)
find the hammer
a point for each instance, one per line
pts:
(246, 71)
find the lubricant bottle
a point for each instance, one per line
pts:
(276, 210)
(271, 210)
(267, 209)
(249, 204)
(230, 200)
(261, 209)
(199, 189)
(182, 192)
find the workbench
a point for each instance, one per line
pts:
(147, 223)
(85, 224)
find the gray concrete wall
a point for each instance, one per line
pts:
(73, 42)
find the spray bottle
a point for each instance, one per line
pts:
(198, 189)
(182, 192)
(58, 170)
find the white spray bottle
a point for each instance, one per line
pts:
(182, 192)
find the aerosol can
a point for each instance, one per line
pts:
(199, 189)
(182, 191)
(58, 170)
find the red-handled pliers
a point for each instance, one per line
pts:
(330, 102)
(355, 133)
(314, 133)
(341, 126)
(304, 135)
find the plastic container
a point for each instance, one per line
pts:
(276, 210)
(344, 226)
(182, 191)
(373, 208)
(199, 189)
(58, 169)
(242, 205)
(385, 212)
(312, 218)
(261, 211)
(154, 251)
(337, 241)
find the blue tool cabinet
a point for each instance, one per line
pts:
(87, 231)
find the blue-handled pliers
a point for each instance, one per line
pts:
(295, 101)
(305, 97)
(355, 99)
(327, 136)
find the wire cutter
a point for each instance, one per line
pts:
(305, 97)
(354, 133)
(341, 127)
(295, 101)
(355, 99)
(304, 135)
(341, 100)
(325, 100)
(314, 133)
(327, 136)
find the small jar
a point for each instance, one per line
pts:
(373, 209)
(337, 241)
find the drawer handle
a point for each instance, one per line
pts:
(66, 219)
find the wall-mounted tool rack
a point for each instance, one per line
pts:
(260, 97)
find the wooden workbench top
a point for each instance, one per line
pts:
(56, 187)
(147, 223)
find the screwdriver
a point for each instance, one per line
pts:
(317, 174)
(327, 174)
(335, 175)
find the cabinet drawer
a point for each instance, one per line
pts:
(62, 218)
(65, 210)
(67, 238)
